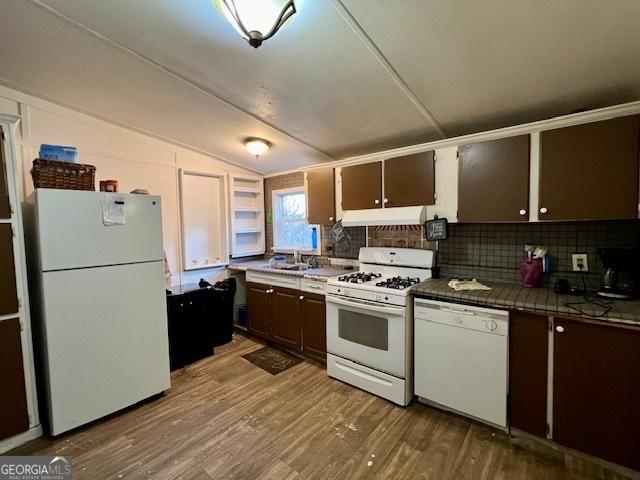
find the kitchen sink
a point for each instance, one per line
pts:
(291, 266)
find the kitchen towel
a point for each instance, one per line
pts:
(112, 209)
(458, 285)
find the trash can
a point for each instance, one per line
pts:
(222, 315)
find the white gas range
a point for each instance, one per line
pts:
(370, 321)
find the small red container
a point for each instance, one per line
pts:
(109, 186)
(531, 272)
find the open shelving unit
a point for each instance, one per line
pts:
(247, 215)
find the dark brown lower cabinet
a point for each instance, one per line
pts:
(14, 417)
(285, 316)
(528, 354)
(292, 318)
(8, 294)
(314, 325)
(259, 309)
(596, 390)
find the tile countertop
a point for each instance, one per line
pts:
(538, 300)
(322, 273)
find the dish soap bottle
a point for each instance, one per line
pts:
(314, 238)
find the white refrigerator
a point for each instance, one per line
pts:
(98, 302)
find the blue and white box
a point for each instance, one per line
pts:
(59, 153)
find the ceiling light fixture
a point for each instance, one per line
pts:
(251, 18)
(257, 146)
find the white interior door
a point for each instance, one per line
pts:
(106, 340)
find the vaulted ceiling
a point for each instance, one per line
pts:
(344, 77)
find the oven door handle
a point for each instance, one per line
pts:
(397, 311)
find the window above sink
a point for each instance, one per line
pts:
(291, 232)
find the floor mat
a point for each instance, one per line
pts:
(272, 360)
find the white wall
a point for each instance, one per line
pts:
(135, 160)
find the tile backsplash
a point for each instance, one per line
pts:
(493, 252)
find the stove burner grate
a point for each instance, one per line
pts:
(359, 277)
(398, 283)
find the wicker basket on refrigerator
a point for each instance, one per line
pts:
(69, 176)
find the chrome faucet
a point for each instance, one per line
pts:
(296, 256)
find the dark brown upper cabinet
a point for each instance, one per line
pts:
(362, 186)
(528, 354)
(320, 196)
(596, 390)
(5, 207)
(493, 180)
(8, 293)
(590, 172)
(409, 180)
(14, 417)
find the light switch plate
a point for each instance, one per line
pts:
(580, 260)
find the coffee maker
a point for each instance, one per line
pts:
(620, 274)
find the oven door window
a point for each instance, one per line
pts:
(364, 329)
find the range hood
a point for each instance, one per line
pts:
(385, 216)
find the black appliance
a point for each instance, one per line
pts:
(620, 275)
(200, 318)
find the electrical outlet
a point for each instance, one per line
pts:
(580, 262)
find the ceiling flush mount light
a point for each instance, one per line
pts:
(256, 146)
(256, 20)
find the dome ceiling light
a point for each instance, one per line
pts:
(257, 146)
(256, 20)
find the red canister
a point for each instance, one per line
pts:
(109, 186)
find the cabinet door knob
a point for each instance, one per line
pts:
(301, 297)
(522, 212)
(560, 329)
(386, 200)
(544, 210)
(331, 219)
(376, 201)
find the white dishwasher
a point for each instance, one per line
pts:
(461, 359)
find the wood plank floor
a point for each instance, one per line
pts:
(226, 418)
